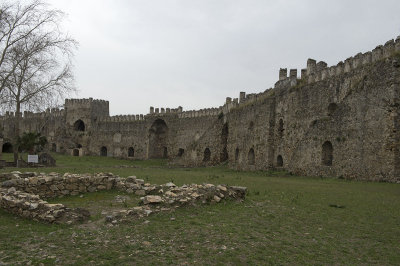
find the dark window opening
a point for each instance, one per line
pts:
(7, 148)
(165, 152)
(251, 157)
(207, 155)
(131, 152)
(332, 108)
(279, 161)
(327, 153)
(181, 152)
(53, 147)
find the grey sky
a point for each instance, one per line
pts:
(194, 53)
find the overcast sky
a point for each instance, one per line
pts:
(195, 53)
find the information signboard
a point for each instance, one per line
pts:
(33, 158)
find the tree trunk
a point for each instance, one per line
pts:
(16, 130)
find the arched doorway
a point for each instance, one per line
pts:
(75, 152)
(158, 138)
(279, 161)
(327, 153)
(224, 142)
(181, 152)
(7, 148)
(207, 155)
(103, 151)
(131, 152)
(79, 125)
(251, 157)
(53, 147)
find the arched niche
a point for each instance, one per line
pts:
(158, 140)
(79, 125)
(327, 153)
(207, 155)
(251, 157)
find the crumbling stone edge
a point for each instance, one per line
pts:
(24, 194)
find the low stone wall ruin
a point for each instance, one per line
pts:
(22, 194)
(31, 206)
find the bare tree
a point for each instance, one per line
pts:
(35, 62)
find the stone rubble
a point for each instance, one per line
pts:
(22, 194)
(31, 206)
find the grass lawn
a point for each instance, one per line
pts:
(284, 220)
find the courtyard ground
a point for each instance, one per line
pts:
(284, 220)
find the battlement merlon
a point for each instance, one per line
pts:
(311, 66)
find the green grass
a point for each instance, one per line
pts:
(284, 220)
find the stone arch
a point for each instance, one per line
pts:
(224, 141)
(79, 125)
(181, 152)
(281, 129)
(236, 154)
(251, 157)
(75, 152)
(7, 148)
(279, 161)
(158, 138)
(327, 153)
(332, 108)
(131, 152)
(103, 151)
(207, 155)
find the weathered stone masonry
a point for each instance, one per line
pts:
(23, 194)
(339, 121)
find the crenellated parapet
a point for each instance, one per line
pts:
(122, 118)
(72, 102)
(246, 99)
(320, 71)
(49, 113)
(201, 113)
(158, 111)
(317, 71)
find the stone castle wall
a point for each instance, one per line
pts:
(339, 121)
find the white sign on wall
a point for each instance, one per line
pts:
(33, 159)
